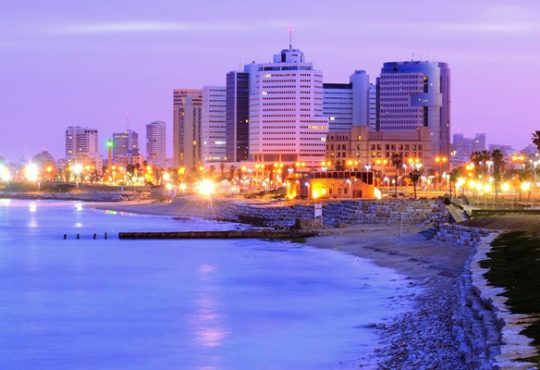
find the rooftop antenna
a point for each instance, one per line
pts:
(290, 36)
(412, 58)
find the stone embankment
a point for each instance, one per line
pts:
(483, 324)
(339, 213)
(460, 235)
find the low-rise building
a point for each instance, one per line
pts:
(361, 148)
(332, 185)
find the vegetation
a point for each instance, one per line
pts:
(415, 177)
(536, 139)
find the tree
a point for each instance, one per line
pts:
(397, 162)
(221, 169)
(536, 139)
(498, 163)
(414, 176)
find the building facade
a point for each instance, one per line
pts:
(237, 116)
(156, 143)
(416, 94)
(126, 147)
(213, 124)
(372, 107)
(338, 106)
(347, 105)
(286, 120)
(187, 108)
(81, 143)
(360, 148)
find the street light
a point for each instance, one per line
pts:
(77, 171)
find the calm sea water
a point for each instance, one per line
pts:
(201, 304)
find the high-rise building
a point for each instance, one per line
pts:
(347, 105)
(126, 147)
(462, 146)
(416, 94)
(338, 106)
(360, 86)
(81, 143)
(187, 107)
(213, 124)
(479, 142)
(237, 116)
(372, 107)
(156, 143)
(286, 110)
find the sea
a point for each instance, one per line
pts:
(179, 304)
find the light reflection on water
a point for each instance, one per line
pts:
(189, 304)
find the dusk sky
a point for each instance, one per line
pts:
(110, 64)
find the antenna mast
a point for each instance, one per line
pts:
(290, 36)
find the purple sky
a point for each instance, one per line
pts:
(92, 63)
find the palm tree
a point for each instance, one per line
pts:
(536, 139)
(414, 176)
(397, 162)
(498, 163)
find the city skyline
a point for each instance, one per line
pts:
(139, 57)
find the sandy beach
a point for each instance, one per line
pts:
(421, 336)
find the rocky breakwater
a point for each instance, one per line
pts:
(338, 213)
(488, 333)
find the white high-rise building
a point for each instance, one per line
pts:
(213, 124)
(156, 143)
(81, 143)
(286, 120)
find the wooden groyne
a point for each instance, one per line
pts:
(222, 234)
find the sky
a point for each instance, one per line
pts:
(113, 64)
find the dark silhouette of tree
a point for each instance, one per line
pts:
(498, 167)
(536, 139)
(397, 162)
(414, 176)
(221, 169)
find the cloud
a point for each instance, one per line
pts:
(168, 27)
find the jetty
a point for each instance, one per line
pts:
(220, 234)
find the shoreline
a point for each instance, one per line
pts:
(423, 334)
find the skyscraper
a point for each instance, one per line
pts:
(347, 105)
(81, 143)
(237, 116)
(156, 143)
(187, 106)
(286, 110)
(416, 94)
(338, 106)
(125, 147)
(213, 124)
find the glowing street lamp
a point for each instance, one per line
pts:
(77, 171)
(206, 188)
(31, 172)
(5, 175)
